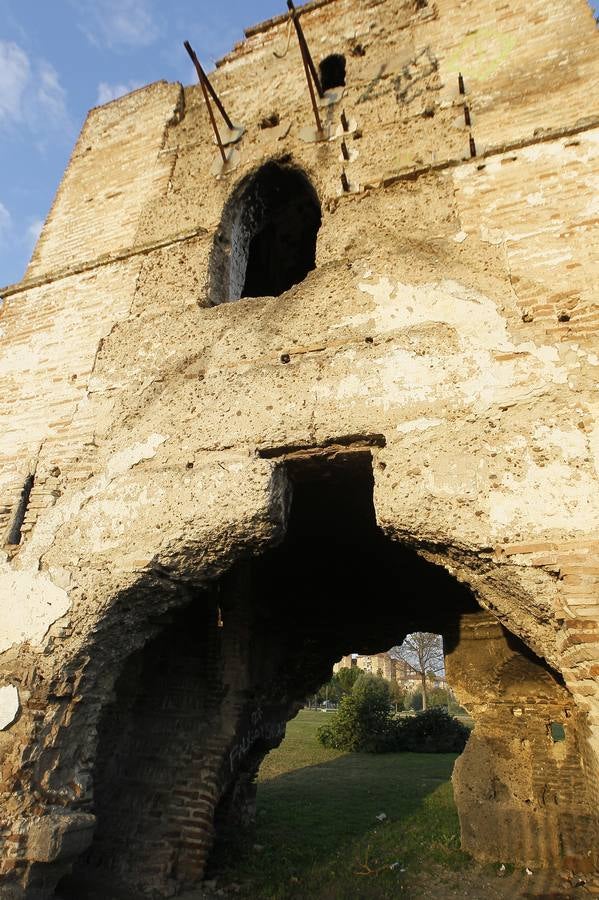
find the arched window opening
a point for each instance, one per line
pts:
(332, 71)
(267, 240)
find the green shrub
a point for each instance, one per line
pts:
(363, 720)
(435, 696)
(413, 701)
(346, 678)
(364, 723)
(431, 731)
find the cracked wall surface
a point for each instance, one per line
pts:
(449, 325)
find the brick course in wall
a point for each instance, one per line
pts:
(449, 326)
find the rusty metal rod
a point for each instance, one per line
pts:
(312, 96)
(304, 47)
(305, 57)
(205, 80)
(344, 151)
(344, 182)
(344, 122)
(213, 122)
(201, 76)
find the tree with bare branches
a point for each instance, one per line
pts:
(422, 652)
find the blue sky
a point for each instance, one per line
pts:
(60, 57)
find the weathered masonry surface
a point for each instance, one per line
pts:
(208, 496)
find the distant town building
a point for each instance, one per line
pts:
(390, 667)
(379, 663)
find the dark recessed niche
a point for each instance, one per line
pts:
(267, 239)
(15, 534)
(332, 71)
(270, 121)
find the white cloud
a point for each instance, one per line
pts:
(5, 223)
(117, 23)
(30, 95)
(51, 96)
(108, 92)
(14, 76)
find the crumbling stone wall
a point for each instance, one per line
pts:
(447, 327)
(525, 760)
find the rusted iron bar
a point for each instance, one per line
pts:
(312, 96)
(344, 150)
(305, 57)
(205, 81)
(304, 47)
(344, 122)
(461, 85)
(213, 123)
(472, 146)
(467, 118)
(344, 182)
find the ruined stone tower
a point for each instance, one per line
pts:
(258, 418)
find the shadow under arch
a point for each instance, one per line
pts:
(197, 708)
(266, 242)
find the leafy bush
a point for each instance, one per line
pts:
(363, 720)
(340, 684)
(413, 701)
(435, 696)
(364, 723)
(346, 678)
(431, 731)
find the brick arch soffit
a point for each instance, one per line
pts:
(139, 611)
(136, 612)
(171, 581)
(241, 205)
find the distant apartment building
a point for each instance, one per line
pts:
(389, 667)
(379, 663)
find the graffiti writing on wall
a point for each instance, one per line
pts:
(259, 730)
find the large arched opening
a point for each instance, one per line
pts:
(195, 711)
(266, 242)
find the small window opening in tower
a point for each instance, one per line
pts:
(267, 241)
(332, 71)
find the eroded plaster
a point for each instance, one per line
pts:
(9, 705)
(31, 603)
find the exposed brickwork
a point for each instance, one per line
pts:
(448, 325)
(543, 804)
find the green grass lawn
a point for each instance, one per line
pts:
(317, 826)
